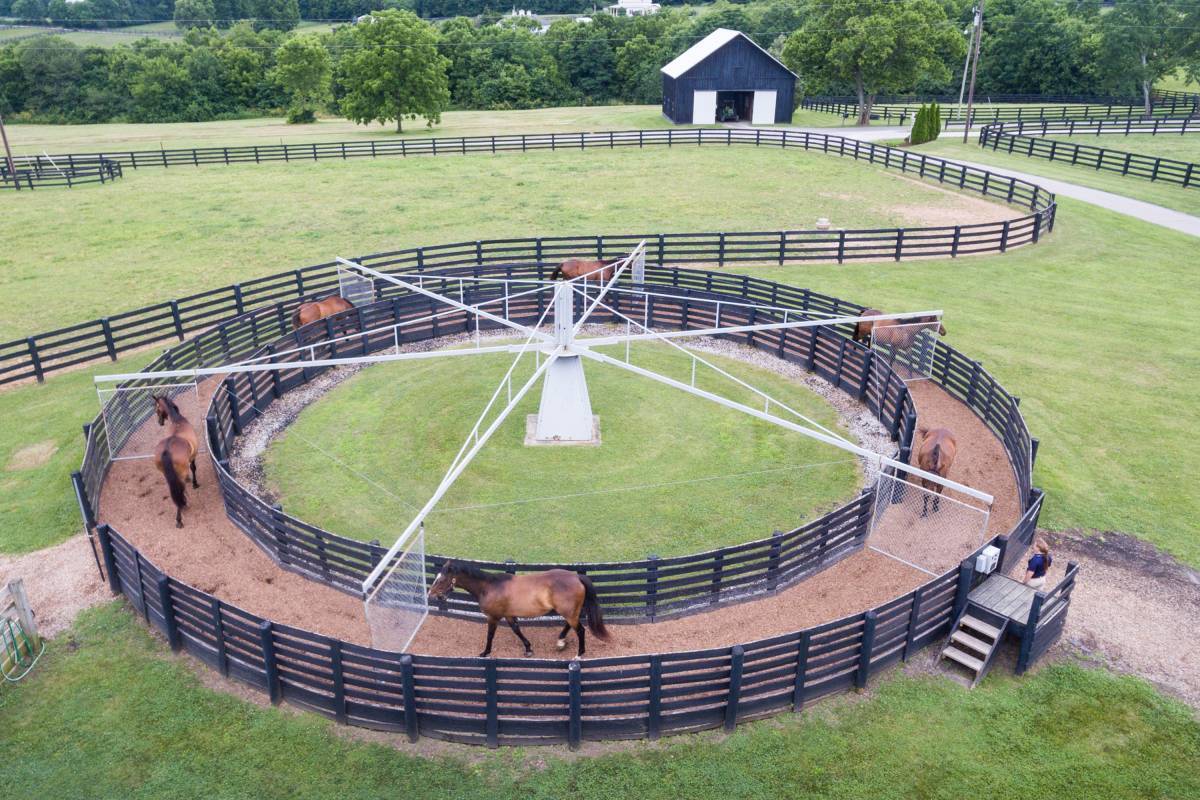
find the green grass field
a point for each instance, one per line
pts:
(159, 233)
(75, 729)
(1163, 194)
(30, 138)
(1184, 147)
(675, 474)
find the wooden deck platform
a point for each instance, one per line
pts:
(1005, 597)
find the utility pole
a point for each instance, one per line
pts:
(962, 88)
(974, 66)
(12, 169)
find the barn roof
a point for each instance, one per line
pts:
(706, 47)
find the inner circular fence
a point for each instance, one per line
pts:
(40, 354)
(527, 701)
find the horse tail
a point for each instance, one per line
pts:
(935, 456)
(296, 317)
(178, 492)
(557, 273)
(591, 607)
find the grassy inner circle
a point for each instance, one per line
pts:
(675, 473)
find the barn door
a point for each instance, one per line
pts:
(704, 108)
(764, 108)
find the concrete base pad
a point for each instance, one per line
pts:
(531, 439)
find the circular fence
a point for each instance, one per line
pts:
(41, 171)
(529, 701)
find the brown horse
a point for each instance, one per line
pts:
(886, 330)
(319, 309)
(175, 453)
(578, 267)
(936, 454)
(508, 597)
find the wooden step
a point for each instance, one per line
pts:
(971, 643)
(979, 625)
(969, 661)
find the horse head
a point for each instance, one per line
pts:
(444, 582)
(160, 408)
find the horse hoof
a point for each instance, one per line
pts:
(561, 644)
(485, 654)
(529, 654)
(178, 524)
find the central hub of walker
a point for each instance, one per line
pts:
(565, 414)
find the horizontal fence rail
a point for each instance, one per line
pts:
(1122, 162)
(41, 354)
(1101, 127)
(529, 701)
(984, 114)
(40, 171)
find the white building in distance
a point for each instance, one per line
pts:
(633, 8)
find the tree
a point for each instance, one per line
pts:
(638, 64)
(282, 15)
(1035, 47)
(873, 45)
(1143, 41)
(303, 68)
(396, 71)
(194, 14)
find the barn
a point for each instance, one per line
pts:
(726, 77)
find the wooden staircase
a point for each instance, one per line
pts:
(974, 640)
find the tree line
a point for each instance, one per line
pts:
(393, 66)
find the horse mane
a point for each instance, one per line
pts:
(472, 571)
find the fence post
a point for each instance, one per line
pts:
(410, 697)
(773, 560)
(491, 704)
(108, 339)
(35, 360)
(266, 638)
(914, 617)
(231, 396)
(168, 612)
(966, 571)
(652, 586)
(575, 720)
(1030, 633)
(1033, 450)
(899, 242)
(654, 721)
(110, 559)
(801, 671)
(177, 319)
(213, 437)
(1004, 236)
(864, 654)
(219, 635)
(85, 505)
(737, 656)
(339, 681)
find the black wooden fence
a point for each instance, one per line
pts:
(1122, 162)
(984, 114)
(39, 171)
(1099, 127)
(37, 355)
(494, 701)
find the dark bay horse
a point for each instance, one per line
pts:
(175, 453)
(319, 309)
(578, 267)
(502, 596)
(936, 454)
(886, 330)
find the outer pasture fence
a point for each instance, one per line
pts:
(40, 354)
(494, 701)
(1101, 127)
(987, 113)
(1122, 162)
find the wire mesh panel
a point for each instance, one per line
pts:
(922, 528)
(132, 424)
(356, 287)
(399, 602)
(907, 348)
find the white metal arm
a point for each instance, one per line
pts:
(456, 469)
(812, 434)
(383, 276)
(607, 286)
